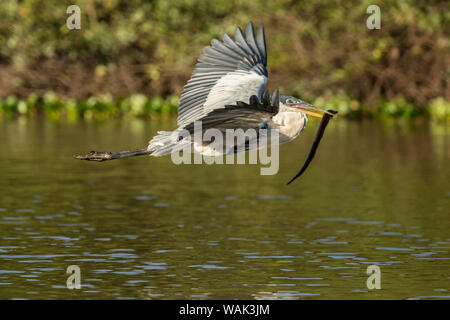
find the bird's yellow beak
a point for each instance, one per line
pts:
(304, 109)
(318, 115)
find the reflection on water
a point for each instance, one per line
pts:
(145, 228)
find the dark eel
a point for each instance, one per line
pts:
(319, 134)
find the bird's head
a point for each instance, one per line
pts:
(292, 104)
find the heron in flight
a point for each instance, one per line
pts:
(227, 91)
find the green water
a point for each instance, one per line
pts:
(144, 228)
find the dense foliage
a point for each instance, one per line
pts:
(318, 50)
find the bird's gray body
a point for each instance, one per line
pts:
(226, 92)
(228, 72)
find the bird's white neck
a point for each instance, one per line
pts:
(289, 124)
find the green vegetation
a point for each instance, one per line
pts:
(104, 106)
(319, 50)
(98, 107)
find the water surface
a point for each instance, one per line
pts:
(144, 228)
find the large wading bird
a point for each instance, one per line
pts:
(227, 75)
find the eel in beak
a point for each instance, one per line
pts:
(319, 134)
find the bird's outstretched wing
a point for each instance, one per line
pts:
(226, 72)
(241, 115)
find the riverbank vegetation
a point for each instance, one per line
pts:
(104, 106)
(133, 57)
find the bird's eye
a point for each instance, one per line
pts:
(289, 101)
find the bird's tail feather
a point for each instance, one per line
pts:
(166, 142)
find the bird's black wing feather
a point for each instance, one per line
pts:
(241, 115)
(227, 71)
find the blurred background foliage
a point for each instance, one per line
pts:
(133, 57)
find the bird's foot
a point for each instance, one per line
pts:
(95, 156)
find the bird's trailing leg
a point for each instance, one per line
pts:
(104, 156)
